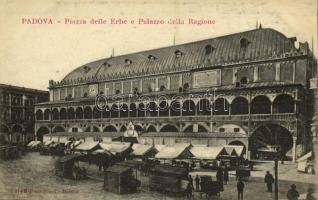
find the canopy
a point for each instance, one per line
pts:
(234, 150)
(114, 147)
(48, 142)
(87, 146)
(122, 167)
(63, 139)
(30, 144)
(174, 152)
(159, 147)
(141, 149)
(76, 143)
(305, 157)
(35, 143)
(206, 153)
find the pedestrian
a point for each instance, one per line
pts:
(197, 183)
(219, 177)
(189, 190)
(292, 193)
(226, 175)
(240, 189)
(309, 195)
(269, 180)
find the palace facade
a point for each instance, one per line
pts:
(249, 88)
(17, 113)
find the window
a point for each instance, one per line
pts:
(208, 49)
(74, 130)
(162, 88)
(244, 43)
(178, 53)
(85, 94)
(117, 92)
(185, 87)
(243, 81)
(151, 58)
(86, 69)
(236, 130)
(128, 61)
(222, 130)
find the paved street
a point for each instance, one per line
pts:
(35, 172)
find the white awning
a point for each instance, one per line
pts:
(234, 150)
(206, 153)
(63, 139)
(30, 144)
(48, 142)
(35, 143)
(159, 147)
(114, 147)
(141, 149)
(172, 152)
(305, 157)
(86, 146)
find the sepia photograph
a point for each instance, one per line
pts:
(158, 99)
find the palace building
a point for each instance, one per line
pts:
(249, 88)
(17, 113)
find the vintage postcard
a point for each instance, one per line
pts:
(158, 99)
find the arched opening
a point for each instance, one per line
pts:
(110, 128)
(202, 129)
(106, 112)
(55, 114)
(124, 110)
(97, 114)
(88, 113)
(138, 128)
(188, 108)
(163, 109)
(123, 129)
(47, 114)
(267, 138)
(133, 110)
(175, 108)
(40, 132)
(152, 110)
(58, 129)
(141, 110)
(239, 106)
(204, 107)
(186, 87)
(114, 111)
(169, 128)
(221, 107)
(79, 113)
(71, 113)
(284, 103)
(261, 105)
(95, 129)
(39, 115)
(151, 128)
(189, 129)
(239, 143)
(63, 114)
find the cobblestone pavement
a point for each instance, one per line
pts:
(32, 177)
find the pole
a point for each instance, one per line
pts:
(276, 178)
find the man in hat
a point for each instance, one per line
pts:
(269, 180)
(292, 193)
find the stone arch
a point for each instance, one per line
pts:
(79, 113)
(123, 128)
(152, 109)
(88, 113)
(124, 110)
(169, 128)
(106, 112)
(114, 111)
(97, 114)
(63, 114)
(39, 115)
(204, 107)
(239, 106)
(203, 128)
(141, 110)
(269, 135)
(71, 113)
(151, 128)
(175, 108)
(58, 129)
(47, 113)
(133, 110)
(221, 106)
(42, 131)
(284, 103)
(188, 129)
(188, 108)
(110, 128)
(261, 104)
(55, 114)
(163, 109)
(138, 128)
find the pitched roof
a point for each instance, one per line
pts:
(261, 43)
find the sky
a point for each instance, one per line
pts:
(33, 54)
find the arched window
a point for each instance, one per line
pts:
(47, 114)
(169, 128)
(63, 114)
(71, 113)
(284, 103)
(221, 107)
(88, 114)
(239, 106)
(261, 105)
(39, 115)
(55, 114)
(79, 113)
(188, 108)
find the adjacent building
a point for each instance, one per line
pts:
(17, 112)
(249, 88)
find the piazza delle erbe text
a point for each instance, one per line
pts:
(229, 117)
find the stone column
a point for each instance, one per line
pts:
(195, 128)
(294, 149)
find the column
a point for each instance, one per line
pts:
(294, 71)
(168, 82)
(294, 149)
(255, 74)
(234, 75)
(277, 72)
(195, 128)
